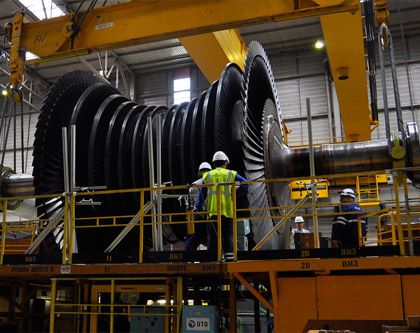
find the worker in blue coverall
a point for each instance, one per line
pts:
(220, 174)
(200, 229)
(345, 230)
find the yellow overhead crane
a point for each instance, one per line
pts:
(205, 29)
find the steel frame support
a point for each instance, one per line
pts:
(343, 34)
(93, 70)
(52, 306)
(254, 292)
(117, 26)
(212, 51)
(233, 313)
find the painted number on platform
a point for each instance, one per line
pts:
(304, 253)
(348, 252)
(350, 263)
(305, 265)
(175, 256)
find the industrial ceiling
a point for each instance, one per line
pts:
(280, 37)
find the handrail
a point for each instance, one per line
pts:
(145, 218)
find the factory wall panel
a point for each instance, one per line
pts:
(158, 89)
(413, 49)
(415, 74)
(283, 65)
(314, 88)
(299, 77)
(310, 62)
(152, 83)
(299, 135)
(152, 89)
(289, 97)
(30, 120)
(199, 83)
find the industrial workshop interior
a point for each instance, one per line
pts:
(210, 166)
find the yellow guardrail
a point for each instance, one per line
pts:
(68, 223)
(101, 301)
(389, 236)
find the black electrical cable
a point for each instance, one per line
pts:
(2, 136)
(6, 135)
(77, 10)
(22, 132)
(91, 6)
(371, 59)
(14, 130)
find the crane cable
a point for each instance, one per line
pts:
(77, 25)
(5, 129)
(385, 42)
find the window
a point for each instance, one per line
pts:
(182, 86)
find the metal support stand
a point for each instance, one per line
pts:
(67, 220)
(399, 224)
(280, 224)
(408, 216)
(155, 230)
(73, 176)
(312, 170)
(128, 227)
(159, 180)
(153, 204)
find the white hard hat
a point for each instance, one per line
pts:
(299, 219)
(204, 166)
(220, 156)
(349, 192)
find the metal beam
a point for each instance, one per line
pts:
(254, 292)
(343, 34)
(118, 56)
(211, 52)
(93, 70)
(134, 22)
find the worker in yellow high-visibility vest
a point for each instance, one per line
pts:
(220, 174)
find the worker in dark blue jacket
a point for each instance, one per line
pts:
(345, 230)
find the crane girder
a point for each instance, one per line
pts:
(343, 34)
(136, 22)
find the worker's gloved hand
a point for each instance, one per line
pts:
(195, 209)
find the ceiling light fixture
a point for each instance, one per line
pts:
(319, 44)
